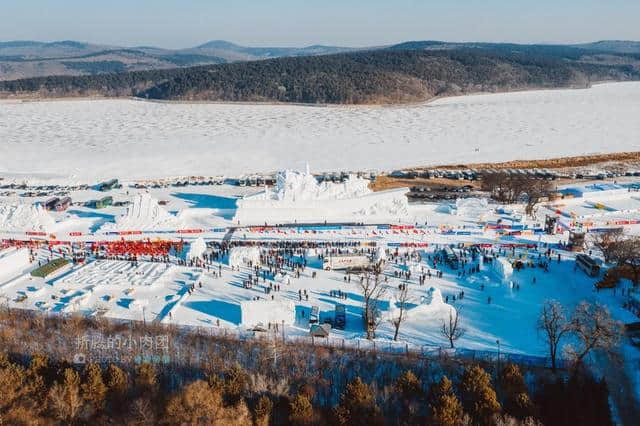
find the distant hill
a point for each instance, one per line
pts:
(405, 73)
(233, 52)
(25, 59)
(555, 50)
(38, 49)
(618, 46)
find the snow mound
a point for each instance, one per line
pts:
(241, 256)
(13, 260)
(144, 213)
(446, 208)
(472, 207)
(197, 249)
(391, 207)
(25, 217)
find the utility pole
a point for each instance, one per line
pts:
(275, 353)
(498, 342)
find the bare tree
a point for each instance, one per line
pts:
(451, 329)
(622, 250)
(400, 314)
(537, 190)
(372, 291)
(495, 183)
(594, 329)
(511, 188)
(628, 256)
(554, 324)
(608, 243)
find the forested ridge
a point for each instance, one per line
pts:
(410, 72)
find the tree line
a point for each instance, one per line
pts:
(380, 76)
(43, 392)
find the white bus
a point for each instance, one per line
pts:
(346, 261)
(587, 264)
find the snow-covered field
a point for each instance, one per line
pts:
(136, 139)
(496, 306)
(159, 292)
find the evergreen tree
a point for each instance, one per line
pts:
(215, 382)
(262, 411)
(117, 384)
(146, 380)
(478, 396)
(195, 404)
(300, 411)
(64, 398)
(408, 385)
(357, 406)
(515, 397)
(38, 375)
(236, 383)
(13, 386)
(93, 388)
(444, 407)
(198, 404)
(408, 389)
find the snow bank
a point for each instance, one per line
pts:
(144, 213)
(472, 207)
(395, 206)
(25, 217)
(196, 249)
(241, 256)
(254, 312)
(13, 261)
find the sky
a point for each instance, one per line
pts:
(186, 23)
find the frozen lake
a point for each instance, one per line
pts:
(136, 139)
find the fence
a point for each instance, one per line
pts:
(285, 336)
(376, 346)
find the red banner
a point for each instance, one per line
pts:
(190, 231)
